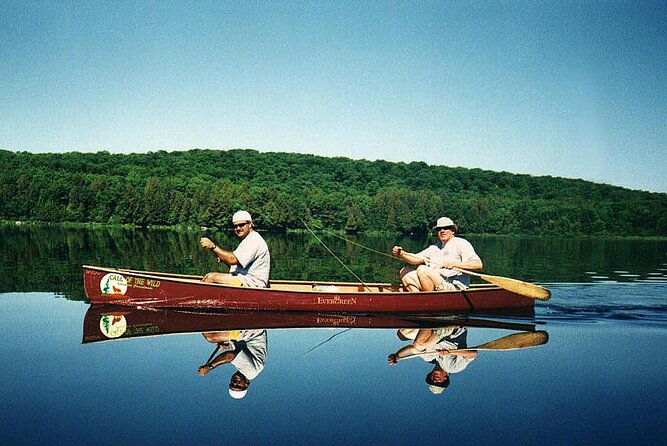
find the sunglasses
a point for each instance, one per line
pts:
(237, 387)
(240, 225)
(444, 228)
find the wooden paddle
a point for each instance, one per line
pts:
(527, 289)
(515, 341)
(517, 286)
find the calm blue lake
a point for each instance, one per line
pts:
(599, 379)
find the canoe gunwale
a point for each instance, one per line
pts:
(166, 290)
(196, 280)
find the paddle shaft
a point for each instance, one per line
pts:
(473, 349)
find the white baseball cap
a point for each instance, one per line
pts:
(237, 394)
(241, 216)
(435, 390)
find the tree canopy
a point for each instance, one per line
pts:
(205, 187)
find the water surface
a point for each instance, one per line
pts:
(598, 380)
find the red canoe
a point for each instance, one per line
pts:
(163, 290)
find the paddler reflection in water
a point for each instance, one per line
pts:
(245, 350)
(440, 347)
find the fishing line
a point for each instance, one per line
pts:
(324, 342)
(355, 243)
(217, 347)
(335, 256)
(362, 246)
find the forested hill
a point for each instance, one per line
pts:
(204, 188)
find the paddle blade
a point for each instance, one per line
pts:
(517, 286)
(516, 341)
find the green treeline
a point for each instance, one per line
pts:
(205, 187)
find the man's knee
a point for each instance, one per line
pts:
(215, 278)
(410, 279)
(423, 269)
(405, 334)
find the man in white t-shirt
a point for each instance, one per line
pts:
(249, 264)
(434, 265)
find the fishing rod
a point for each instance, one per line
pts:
(360, 245)
(527, 289)
(335, 256)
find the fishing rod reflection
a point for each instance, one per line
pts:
(240, 338)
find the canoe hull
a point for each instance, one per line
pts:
(161, 290)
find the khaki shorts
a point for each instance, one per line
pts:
(236, 281)
(248, 281)
(441, 284)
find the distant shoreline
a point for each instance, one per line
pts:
(196, 229)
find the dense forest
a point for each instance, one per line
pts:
(205, 187)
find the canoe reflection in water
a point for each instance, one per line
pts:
(244, 349)
(240, 337)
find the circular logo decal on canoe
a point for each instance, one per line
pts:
(113, 326)
(113, 283)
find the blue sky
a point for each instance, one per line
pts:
(563, 88)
